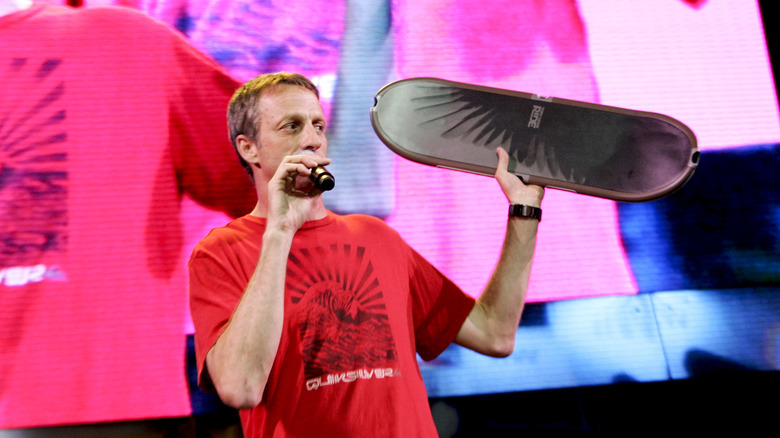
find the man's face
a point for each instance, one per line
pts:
(291, 121)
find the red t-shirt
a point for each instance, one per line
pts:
(107, 119)
(359, 303)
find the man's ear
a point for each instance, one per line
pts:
(248, 149)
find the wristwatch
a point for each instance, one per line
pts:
(521, 210)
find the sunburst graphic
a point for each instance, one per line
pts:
(589, 146)
(345, 325)
(492, 120)
(33, 175)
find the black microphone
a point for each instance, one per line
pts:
(322, 179)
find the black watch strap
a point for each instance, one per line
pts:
(521, 210)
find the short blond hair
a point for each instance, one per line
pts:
(243, 112)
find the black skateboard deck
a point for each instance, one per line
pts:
(597, 150)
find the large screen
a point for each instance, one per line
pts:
(109, 127)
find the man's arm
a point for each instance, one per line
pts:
(492, 324)
(240, 361)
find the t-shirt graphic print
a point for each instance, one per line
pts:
(344, 330)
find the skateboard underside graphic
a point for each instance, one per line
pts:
(597, 150)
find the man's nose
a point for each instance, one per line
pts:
(311, 138)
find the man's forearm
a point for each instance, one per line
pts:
(240, 361)
(504, 296)
(492, 324)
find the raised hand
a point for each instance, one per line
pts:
(292, 195)
(515, 190)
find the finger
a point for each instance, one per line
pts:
(503, 160)
(294, 179)
(502, 173)
(310, 160)
(289, 171)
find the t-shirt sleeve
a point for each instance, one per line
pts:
(207, 166)
(439, 308)
(197, 91)
(214, 291)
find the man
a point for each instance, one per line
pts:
(310, 321)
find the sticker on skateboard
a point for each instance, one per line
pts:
(597, 150)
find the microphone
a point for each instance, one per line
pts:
(323, 179)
